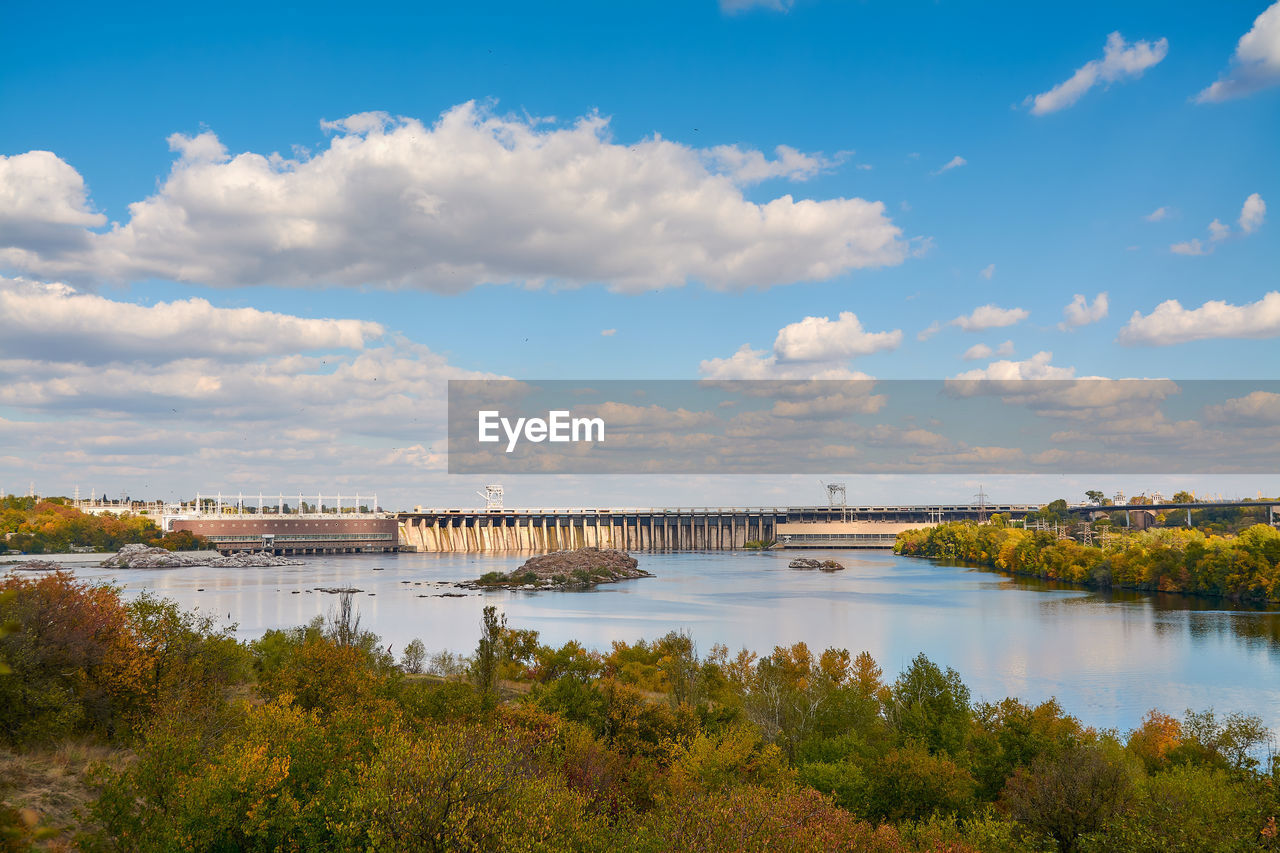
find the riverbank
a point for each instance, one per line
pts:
(1242, 568)
(1028, 638)
(646, 746)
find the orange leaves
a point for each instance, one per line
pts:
(835, 665)
(76, 660)
(1155, 738)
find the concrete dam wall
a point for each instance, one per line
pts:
(678, 529)
(536, 530)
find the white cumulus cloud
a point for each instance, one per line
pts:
(1256, 407)
(1252, 213)
(473, 198)
(748, 363)
(182, 394)
(1120, 60)
(1158, 214)
(1256, 63)
(1171, 323)
(748, 166)
(1039, 366)
(824, 339)
(1080, 312)
(44, 206)
(954, 163)
(44, 320)
(813, 348)
(990, 317)
(977, 352)
(988, 272)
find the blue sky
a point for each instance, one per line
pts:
(881, 96)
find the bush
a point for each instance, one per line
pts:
(1069, 795)
(76, 662)
(910, 784)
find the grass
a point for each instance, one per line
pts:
(49, 788)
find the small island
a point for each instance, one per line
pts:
(581, 568)
(820, 565)
(145, 557)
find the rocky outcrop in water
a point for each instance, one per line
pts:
(37, 566)
(146, 557)
(820, 565)
(581, 568)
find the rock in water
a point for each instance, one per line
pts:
(37, 566)
(146, 557)
(821, 565)
(581, 568)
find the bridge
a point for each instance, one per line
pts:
(1095, 510)
(675, 528)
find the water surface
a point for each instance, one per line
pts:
(1107, 657)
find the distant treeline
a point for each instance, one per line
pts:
(51, 526)
(1244, 567)
(317, 739)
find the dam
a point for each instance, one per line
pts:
(674, 528)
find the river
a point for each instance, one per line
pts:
(1108, 658)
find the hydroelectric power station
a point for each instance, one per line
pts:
(674, 528)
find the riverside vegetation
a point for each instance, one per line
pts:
(50, 526)
(1241, 567)
(141, 727)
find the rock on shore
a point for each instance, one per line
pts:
(820, 565)
(581, 568)
(144, 557)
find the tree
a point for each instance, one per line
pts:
(930, 707)
(1070, 794)
(489, 652)
(414, 657)
(679, 664)
(76, 661)
(343, 622)
(1095, 497)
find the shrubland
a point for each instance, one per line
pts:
(315, 738)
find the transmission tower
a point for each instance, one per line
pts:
(981, 497)
(492, 495)
(837, 496)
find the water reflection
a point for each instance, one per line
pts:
(1107, 656)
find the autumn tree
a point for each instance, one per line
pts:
(75, 659)
(1070, 794)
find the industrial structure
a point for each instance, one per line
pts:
(674, 529)
(356, 524)
(325, 527)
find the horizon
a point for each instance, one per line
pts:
(280, 241)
